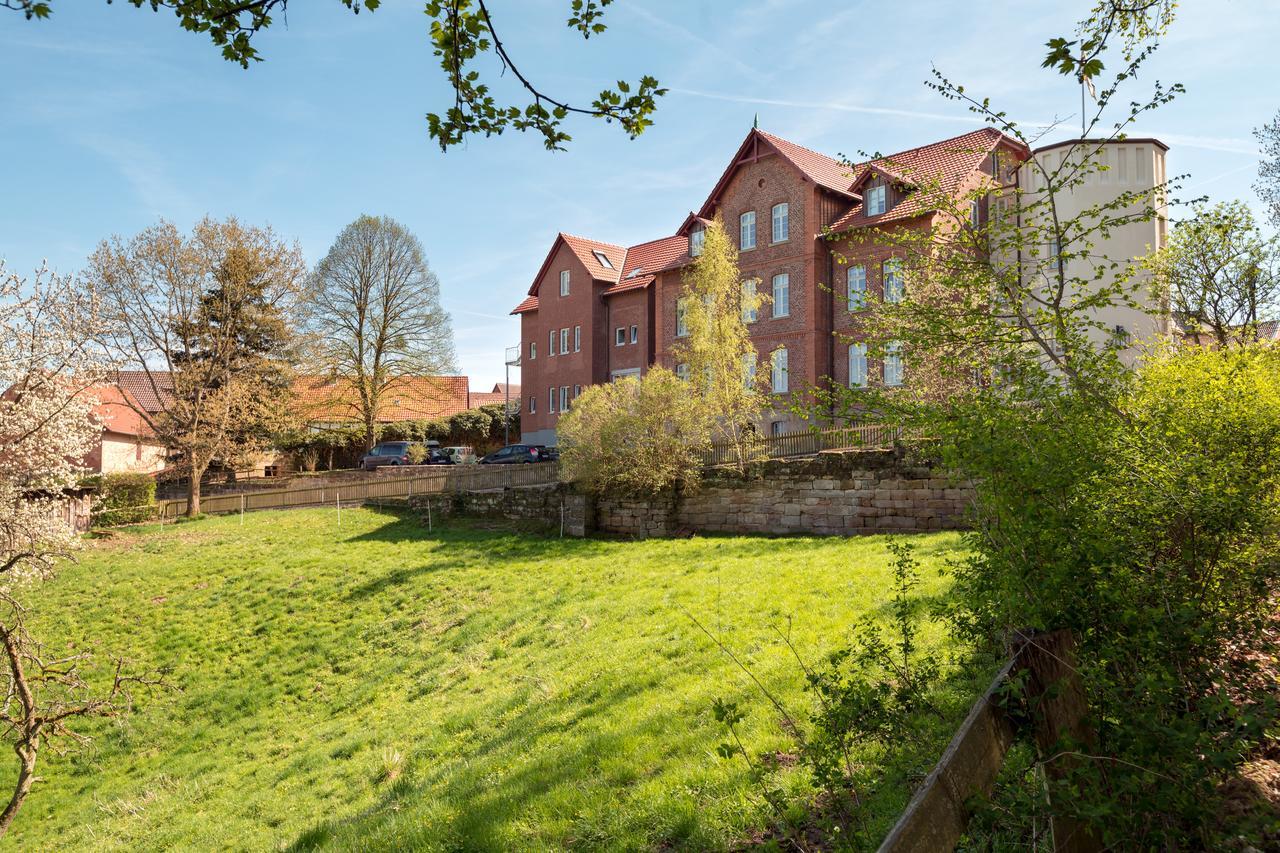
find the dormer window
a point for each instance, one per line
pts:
(873, 200)
(697, 237)
(601, 259)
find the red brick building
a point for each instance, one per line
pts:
(598, 311)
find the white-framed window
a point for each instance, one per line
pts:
(857, 365)
(893, 364)
(749, 370)
(975, 213)
(551, 343)
(778, 362)
(533, 405)
(577, 391)
(602, 259)
(619, 336)
(533, 350)
(682, 371)
(894, 286)
(577, 338)
(682, 317)
(635, 334)
(782, 295)
(564, 282)
(564, 340)
(564, 398)
(873, 200)
(749, 311)
(747, 230)
(551, 399)
(697, 238)
(781, 222)
(857, 287)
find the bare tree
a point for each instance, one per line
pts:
(1268, 184)
(1219, 273)
(204, 323)
(375, 320)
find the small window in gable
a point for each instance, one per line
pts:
(602, 259)
(873, 200)
(564, 282)
(697, 237)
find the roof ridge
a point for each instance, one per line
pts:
(982, 130)
(774, 136)
(569, 236)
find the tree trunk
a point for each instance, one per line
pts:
(26, 777)
(193, 490)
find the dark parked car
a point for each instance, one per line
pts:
(548, 454)
(513, 454)
(436, 456)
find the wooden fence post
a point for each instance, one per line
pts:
(1059, 710)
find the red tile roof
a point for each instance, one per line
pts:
(586, 248)
(530, 303)
(325, 400)
(501, 387)
(822, 170)
(647, 258)
(116, 411)
(943, 165)
(485, 398)
(148, 388)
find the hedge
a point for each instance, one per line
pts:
(122, 498)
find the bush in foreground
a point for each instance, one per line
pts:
(123, 498)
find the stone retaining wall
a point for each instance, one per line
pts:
(832, 493)
(541, 505)
(835, 493)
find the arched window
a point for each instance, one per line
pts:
(857, 365)
(779, 364)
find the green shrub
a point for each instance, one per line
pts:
(122, 498)
(1147, 522)
(416, 454)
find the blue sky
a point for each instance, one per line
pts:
(115, 117)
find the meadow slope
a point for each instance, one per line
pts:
(377, 686)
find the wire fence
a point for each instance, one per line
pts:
(809, 442)
(445, 480)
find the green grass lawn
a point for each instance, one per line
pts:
(544, 693)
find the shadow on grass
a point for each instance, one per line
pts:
(483, 812)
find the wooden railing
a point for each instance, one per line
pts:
(444, 480)
(809, 442)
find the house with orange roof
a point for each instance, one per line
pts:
(598, 311)
(127, 443)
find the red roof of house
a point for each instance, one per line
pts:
(943, 165)
(147, 388)
(502, 387)
(485, 398)
(645, 259)
(411, 398)
(530, 303)
(116, 411)
(822, 170)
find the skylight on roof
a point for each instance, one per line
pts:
(600, 256)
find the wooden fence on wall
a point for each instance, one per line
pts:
(809, 442)
(443, 480)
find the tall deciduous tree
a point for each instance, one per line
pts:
(716, 306)
(1268, 183)
(375, 318)
(49, 368)
(206, 321)
(1219, 273)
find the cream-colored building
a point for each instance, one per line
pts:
(1134, 166)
